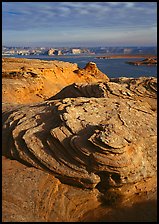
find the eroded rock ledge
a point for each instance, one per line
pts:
(143, 89)
(32, 80)
(89, 144)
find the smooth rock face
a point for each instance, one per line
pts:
(32, 195)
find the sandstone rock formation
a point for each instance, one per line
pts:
(76, 139)
(88, 153)
(143, 89)
(146, 61)
(33, 80)
(32, 195)
(91, 69)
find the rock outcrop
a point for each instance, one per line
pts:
(91, 69)
(32, 195)
(146, 61)
(87, 153)
(143, 89)
(33, 80)
(76, 139)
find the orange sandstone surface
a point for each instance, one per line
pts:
(76, 145)
(33, 80)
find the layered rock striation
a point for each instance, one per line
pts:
(78, 138)
(143, 89)
(77, 154)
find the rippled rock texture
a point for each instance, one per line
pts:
(95, 145)
(143, 89)
(76, 139)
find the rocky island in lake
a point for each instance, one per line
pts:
(77, 145)
(146, 61)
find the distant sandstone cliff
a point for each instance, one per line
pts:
(86, 153)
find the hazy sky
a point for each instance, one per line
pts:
(79, 24)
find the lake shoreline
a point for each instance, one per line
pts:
(102, 56)
(113, 68)
(127, 56)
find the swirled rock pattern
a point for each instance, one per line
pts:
(143, 89)
(87, 146)
(76, 139)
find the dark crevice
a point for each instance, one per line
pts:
(105, 182)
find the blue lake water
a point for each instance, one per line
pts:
(113, 68)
